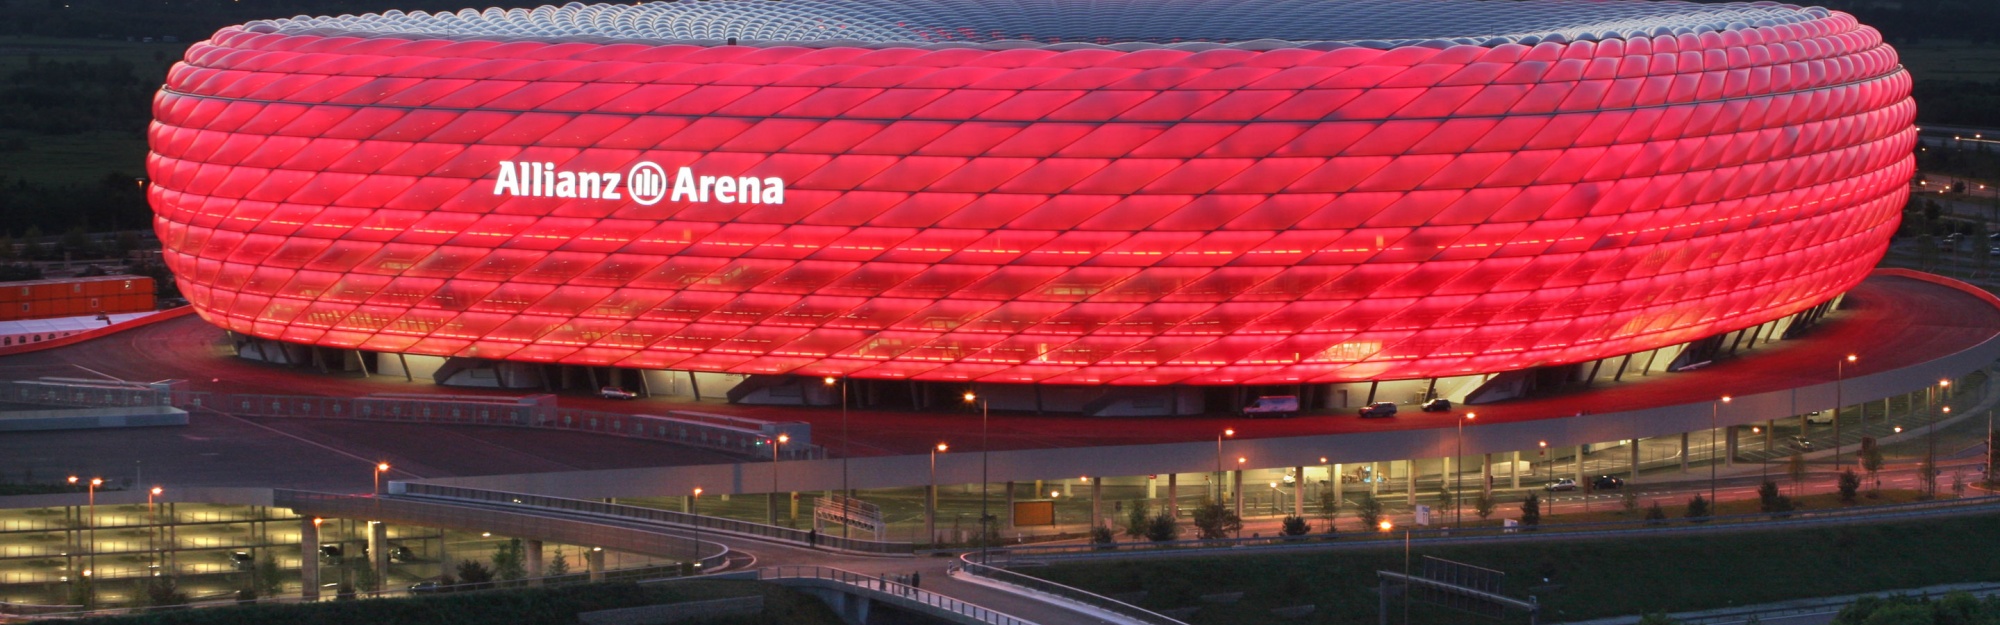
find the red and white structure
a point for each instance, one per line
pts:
(990, 194)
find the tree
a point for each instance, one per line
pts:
(1658, 619)
(1295, 526)
(1631, 501)
(1992, 457)
(1369, 510)
(1531, 510)
(161, 592)
(1163, 528)
(268, 580)
(82, 593)
(508, 561)
(474, 573)
(1102, 536)
(1483, 505)
(1796, 468)
(1849, 485)
(1697, 509)
(1329, 506)
(1871, 461)
(559, 565)
(364, 577)
(1655, 514)
(1767, 495)
(1137, 517)
(1928, 472)
(1213, 520)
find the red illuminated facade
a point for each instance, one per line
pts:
(1052, 214)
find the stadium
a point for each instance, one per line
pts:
(1059, 202)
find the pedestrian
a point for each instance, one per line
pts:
(812, 538)
(915, 578)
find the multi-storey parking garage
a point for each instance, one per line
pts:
(1195, 193)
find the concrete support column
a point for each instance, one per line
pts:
(1635, 458)
(1153, 487)
(531, 555)
(1514, 470)
(1579, 466)
(1729, 454)
(594, 561)
(1339, 479)
(378, 553)
(1486, 475)
(1096, 501)
(1174, 495)
(443, 555)
(771, 509)
(1299, 491)
(1410, 481)
(1769, 426)
(1236, 482)
(1374, 478)
(930, 513)
(1008, 514)
(1684, 452)
(308, 559)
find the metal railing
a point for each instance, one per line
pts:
(1036, 584)
(1003, 556)
(881, 586)
(525, 523)
(655, 515)
(714, 432)
(86, 393)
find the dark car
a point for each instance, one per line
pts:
(1562, 484)
(1607, 482)
(1379, 409)
(330, 554)
(1801, 443)
(1437, 405)
(425, 588)
(399, 553)
(241, 560)
(613, 392)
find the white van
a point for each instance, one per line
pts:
(1821, 417)
(1273, 406)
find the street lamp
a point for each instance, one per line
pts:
(153, 522)
(1458, 502)
(1715, 410)
(771, 502)
(1839, 377)
(986, 531)
(695, 507)
(930, 497)
(1218, 461)
(380, 468)
(1544, 445)
(90, 524)
(845, 494)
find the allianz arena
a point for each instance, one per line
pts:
(1138, 192)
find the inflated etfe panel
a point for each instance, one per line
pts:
(1144, 192)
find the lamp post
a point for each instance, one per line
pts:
(1240, 461)
(1458, 479)
(771, 502)
(1714, 412)
(1055, 511)
(1839, 378)
(90, 523)
(986, 531)
(930, 497)
(845, 494)
(380, 468)
(695, 507)
(1544, 445)
(153, 527)
(1218, 461)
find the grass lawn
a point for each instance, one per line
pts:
(557, 606)
(1586, 578)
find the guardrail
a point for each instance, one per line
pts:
(535, 411)
(87, 393)
(1006, 555)
(880, 586)
(1101, 602)
(656, 515)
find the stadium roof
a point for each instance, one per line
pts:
(1121, 24)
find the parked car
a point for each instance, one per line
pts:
(1273, 406)
(1801, 443)
(1561, 484)
(425, 588)
(330, 553)
(1379, 409)
(1819, 416)
(241, 561)
(613, 392)
(1607, 482)
(399, 553)
(1437, 405)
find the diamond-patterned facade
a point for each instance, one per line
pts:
(1057, 214)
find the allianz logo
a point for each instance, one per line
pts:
(647, 183)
